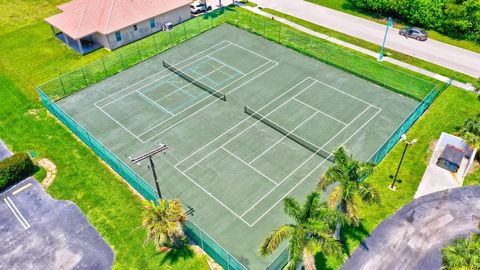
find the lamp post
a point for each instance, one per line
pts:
(389, 24)
(407, 143)
(160, 149)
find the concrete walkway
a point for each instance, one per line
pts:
(360, 49)
(4, 152)
(413, 237)
(433, 51)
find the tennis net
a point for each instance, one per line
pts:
(195, 82)
(313, 148)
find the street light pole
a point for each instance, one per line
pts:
(161, 149)
(407, 143)
(389, 24)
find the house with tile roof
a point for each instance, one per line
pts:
(86, 25)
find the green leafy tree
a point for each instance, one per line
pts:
(349, 175)
(470, 131)
(462, 254)
(309, 233)
(164, 223)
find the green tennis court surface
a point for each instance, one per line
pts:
(247, 122)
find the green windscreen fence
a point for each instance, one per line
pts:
(369, 69)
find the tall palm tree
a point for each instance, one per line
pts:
(309, 233)
(470, 131)
(164, 223)
(462, 254)
(349, 175)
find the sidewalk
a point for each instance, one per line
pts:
(360, 49)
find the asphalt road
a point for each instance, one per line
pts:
(433, 51)
(413, 237)
(39, 232)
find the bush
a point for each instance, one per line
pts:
(15, 168)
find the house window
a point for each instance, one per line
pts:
(152, 23)
(118, 36)
(135, 28)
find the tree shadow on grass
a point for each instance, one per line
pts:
(174, 255)
(354, 234)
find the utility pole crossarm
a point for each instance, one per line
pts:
(161, 149)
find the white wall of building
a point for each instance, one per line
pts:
(144, 29)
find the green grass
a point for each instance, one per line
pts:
(426, 130)
(376, 48)
(248, 3)
(40, 173)
(347, 7)
(29, 55)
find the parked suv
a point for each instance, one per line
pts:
(414, 32)
(199, 7)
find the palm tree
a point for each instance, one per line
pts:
(470, 131)
(463, 254)
(310, 233)
(164, 223)
(349, 174)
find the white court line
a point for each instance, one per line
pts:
(306, 160)
(240, 133)
(285, 136)
(225, 64)
(212, 102)
(305, 177)
(169, 73)
(190, 83)
(253, 168)
(155, 103)
(317, 110)
(118, 123)
(347, 94)
(210, 194)
(16, 212)
(164, 70)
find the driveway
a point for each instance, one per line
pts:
(442, 54)
(38, 232)
(413, 237)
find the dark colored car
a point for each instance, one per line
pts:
(414, 32)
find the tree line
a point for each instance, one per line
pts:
(455, 18)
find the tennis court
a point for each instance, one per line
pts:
(247, 123)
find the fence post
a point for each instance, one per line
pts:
(138, 52)
(279, 32)
(121, 59)
(155, 43)
(184, 31)
(85, 79)
(201, 237)
(63, 87)
(104, 68)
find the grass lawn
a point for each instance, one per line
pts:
(29, 55)
(347, 7)
(376, 48)
(426, 130)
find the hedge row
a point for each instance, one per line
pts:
(455, 18)
(15, 168)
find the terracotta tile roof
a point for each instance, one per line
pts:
(80, 18)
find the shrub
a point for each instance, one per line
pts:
(15, 168)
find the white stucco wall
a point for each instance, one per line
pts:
(143, 28)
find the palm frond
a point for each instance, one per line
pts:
(335, 197)
(368, 193)
(273, 241)
(292, 208)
